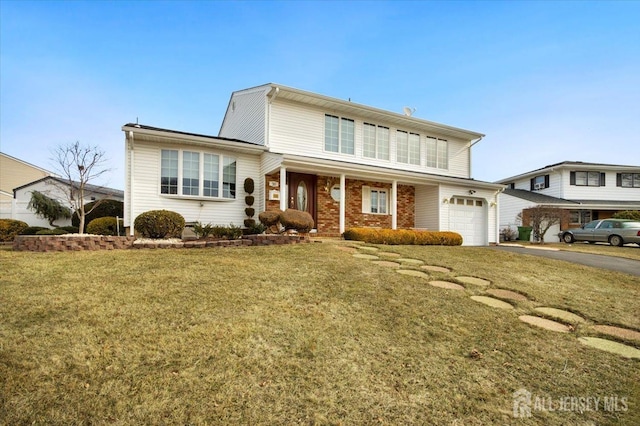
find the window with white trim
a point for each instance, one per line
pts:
(408, 147)
(339, 134)
(375, 200)
(437, 153)
(587, 178)
(375, 141)
(628, 180)
(199, 172)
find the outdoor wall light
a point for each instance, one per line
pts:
(445, 201)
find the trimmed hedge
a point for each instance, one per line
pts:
(628, 214)
(9, 228)
(299, 220)
(106, 208)
(403, 237)
(104, 226)
(33, 230)
(54, 231)
(159, 224)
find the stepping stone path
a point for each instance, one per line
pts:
(544, 323)
(446, 284)
(507, 294)
(365, 256)
(410, 261)
(611, 346)
(474, 281)
(490, 301)
(387, 263)
(561, 315)
(623, 333)
(412, 273)
(435, 268)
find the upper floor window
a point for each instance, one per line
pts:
(339, 134)
(587, 178)
(200, 174)
(539, 182)
(628, 180)
(375, 141)
(407, 147)
(437, 155)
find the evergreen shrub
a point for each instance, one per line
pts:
(159, 224)
(9, 228)
(403, 237)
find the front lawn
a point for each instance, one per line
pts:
(301, 334)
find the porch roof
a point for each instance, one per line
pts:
(382, 174)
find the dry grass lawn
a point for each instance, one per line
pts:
(302, 334)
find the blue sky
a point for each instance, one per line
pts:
(545, 81)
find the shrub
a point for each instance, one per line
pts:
(202, 231)
(159, 224)
(55, 231)
(628, 214)
(250, 211)
(69, 229)
(296, 219)
(9, 228)
(249, 186)
(270, 218)
(256, 228)
(249, 223)
(230, 232)
(106, 208)
(32, 230)
(403, 236)
(249, 199)
(104, 226)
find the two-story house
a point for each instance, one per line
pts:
(589, 191)
(348, 165)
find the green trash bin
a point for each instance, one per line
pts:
(524, 233)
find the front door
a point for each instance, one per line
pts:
(302, 193)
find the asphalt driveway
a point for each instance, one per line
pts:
(618, 264)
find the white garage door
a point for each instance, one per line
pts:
(468, 217)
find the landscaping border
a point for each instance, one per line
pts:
(47, 243)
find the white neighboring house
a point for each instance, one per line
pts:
(348, 165)
(589, 191)
(54, 187)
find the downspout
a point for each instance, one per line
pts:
(471, 144)
(131, 181)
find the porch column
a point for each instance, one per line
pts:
(284, 194)
(343, 191)
(394, 205)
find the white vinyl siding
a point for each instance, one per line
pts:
(427, 207)
(246, 116)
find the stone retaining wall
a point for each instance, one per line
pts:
(70, 243)
(47, 243)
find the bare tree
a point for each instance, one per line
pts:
(78, 165)
(541, 218)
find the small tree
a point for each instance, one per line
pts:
(79, 165)
(541, 218)
(47, 208)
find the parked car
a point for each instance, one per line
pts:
(613, 231)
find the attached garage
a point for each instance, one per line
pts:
(468, 217)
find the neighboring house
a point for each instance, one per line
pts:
(348, 165)
(589, 191)
(56, 188)
(13, 173)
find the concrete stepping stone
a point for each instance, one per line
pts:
(623, 333)
(434, 268)
(474, 281)
(365, 256)
(561, 315)
(611, 346)
(507, 294)
(410, 261)
(368, 248)
(412, 273)
(388, 254)
(544, 323)
(446, 284)
(387, 263)
(490, 301)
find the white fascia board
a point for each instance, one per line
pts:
(572, 166)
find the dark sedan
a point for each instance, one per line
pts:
(613, 231)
